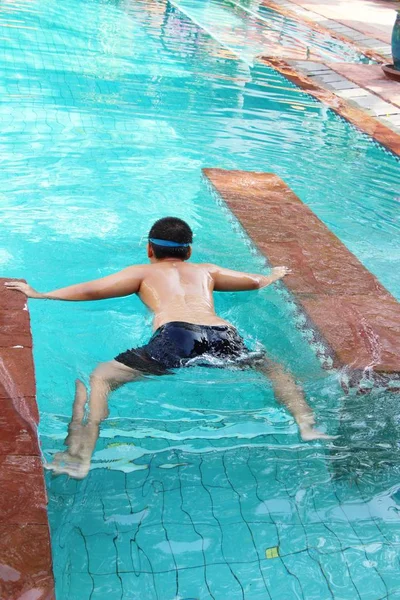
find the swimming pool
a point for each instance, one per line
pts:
(200, 486)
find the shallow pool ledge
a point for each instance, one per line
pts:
(25, 554)
(354, 316)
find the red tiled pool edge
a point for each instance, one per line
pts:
(358, 319)
(286, 12)
(358, 117)
(25, 552)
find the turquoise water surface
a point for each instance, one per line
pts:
(111, 109)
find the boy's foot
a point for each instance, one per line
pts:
(64, 463)
(308, 433)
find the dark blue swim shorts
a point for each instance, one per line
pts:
(179, 344)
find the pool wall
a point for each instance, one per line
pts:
(25, 554)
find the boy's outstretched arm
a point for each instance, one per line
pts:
(123, 283)
(226, 280)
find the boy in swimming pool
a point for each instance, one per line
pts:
(187, 330)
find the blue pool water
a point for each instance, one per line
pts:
(200, 486)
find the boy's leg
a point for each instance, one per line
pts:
(106, 378)
(82, 437)
(288, 393)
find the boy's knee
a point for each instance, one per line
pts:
(102, 372)
(112, 375)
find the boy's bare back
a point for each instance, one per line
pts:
(174, 290)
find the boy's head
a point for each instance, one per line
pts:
(170, 238)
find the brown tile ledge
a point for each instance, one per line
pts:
(25, 553)
(356, 317)
(309, 20)
(358, 117)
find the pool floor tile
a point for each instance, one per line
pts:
(213, 546)
(337, 570)
(199, 497)
(238, 543)
(154, 540)
(223, 583)
(253, 577)
(192, 584)
(141, 586)
(107, 587)
(166, 585)
(102, 553)
(307, 568)
(78, 551)
(185, 545)
(283, 584)
(172, 509)
(265, 535)
(78, 585)
(189, 558)
(367, 580)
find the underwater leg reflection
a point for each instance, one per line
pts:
(290, 394)
(83, 433)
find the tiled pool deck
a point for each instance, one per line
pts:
(355, 19)
(357, 115)
(25, 556)
(366, 23)
(367, 26)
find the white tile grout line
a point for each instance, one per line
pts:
(372, 104)
(353, 35)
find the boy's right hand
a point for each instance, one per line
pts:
(25, 288)
(280, 272)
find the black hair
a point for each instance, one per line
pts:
(173, 230)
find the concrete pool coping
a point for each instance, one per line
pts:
(354, 315)
(25, 552)
(337, 20)
(362, 86)
(359, 117)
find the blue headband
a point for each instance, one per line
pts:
(167, 243)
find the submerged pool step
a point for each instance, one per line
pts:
(356, 317)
